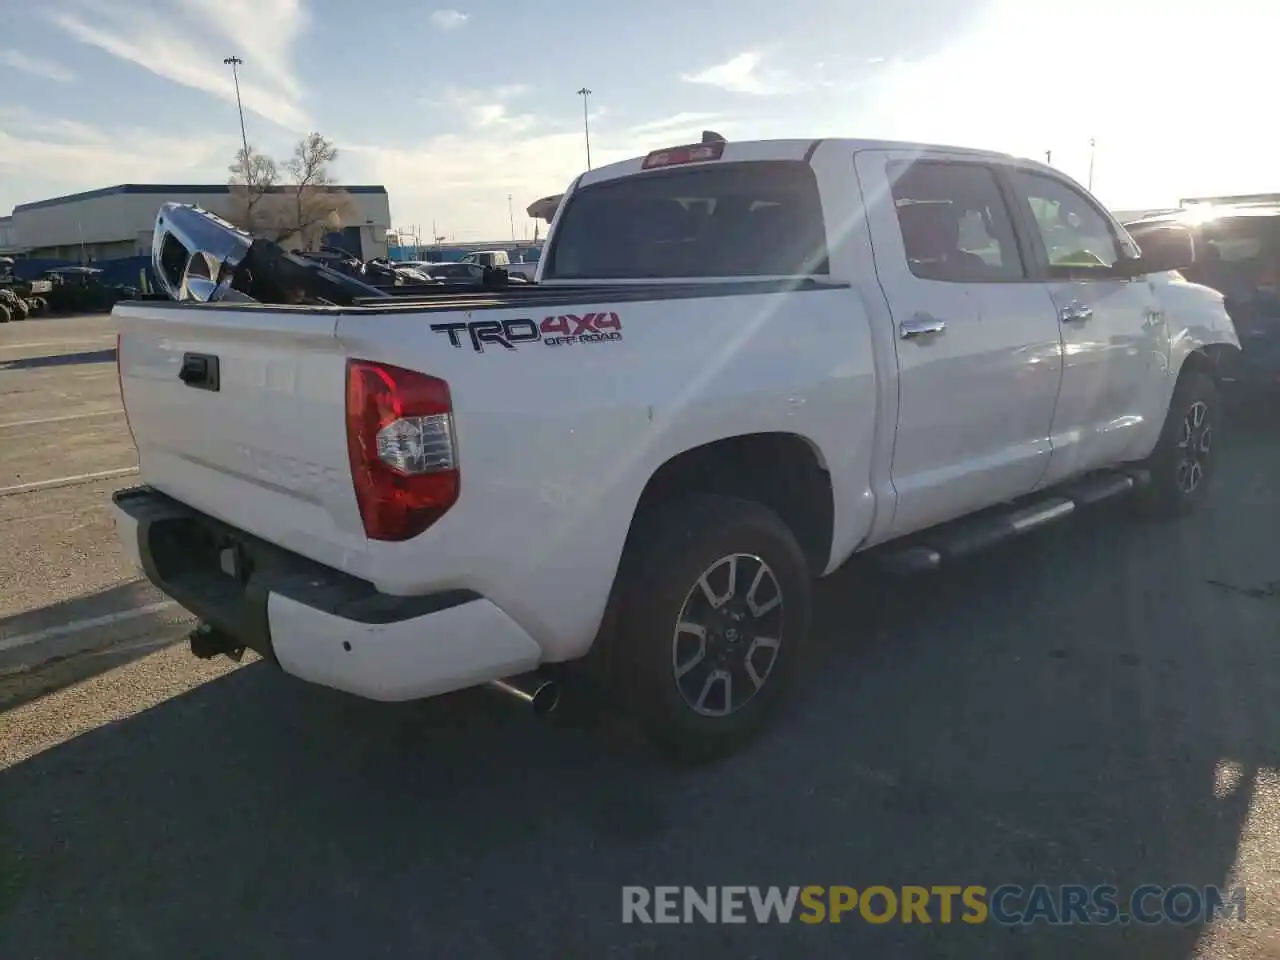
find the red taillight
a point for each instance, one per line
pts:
(120, 384)
(400, 442)
(690, 153)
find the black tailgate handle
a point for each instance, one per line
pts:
(199, 370)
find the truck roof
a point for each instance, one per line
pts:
(792, 149)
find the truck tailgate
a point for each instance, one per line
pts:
(241, 414)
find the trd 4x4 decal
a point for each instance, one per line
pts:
(556, 331)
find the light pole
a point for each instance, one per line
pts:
(584, 93)
(1092, 145)
(234, 62)
(512, 217)
(1048, 157)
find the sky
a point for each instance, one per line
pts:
(455, 107)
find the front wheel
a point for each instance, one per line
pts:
(715, 610)
(1182, 463)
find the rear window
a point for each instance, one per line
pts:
(762, 218)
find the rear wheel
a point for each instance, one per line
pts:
(4, 313)
(1182, 464)
(715, 609)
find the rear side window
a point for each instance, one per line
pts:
(757, 219)
(955, 224)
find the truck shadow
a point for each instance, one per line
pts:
(66, 642)
(1083, 707)
(60, 360)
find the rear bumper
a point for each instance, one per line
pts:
(317, 623)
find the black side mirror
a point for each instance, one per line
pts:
(1165, 247)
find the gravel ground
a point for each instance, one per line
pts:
(1093, 705)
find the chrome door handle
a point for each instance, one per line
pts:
(1076, 312)
(920, 326)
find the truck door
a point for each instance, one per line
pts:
(978, 346)
(1113, 331)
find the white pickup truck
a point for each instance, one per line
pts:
(742, 363)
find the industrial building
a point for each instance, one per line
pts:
(118, 221)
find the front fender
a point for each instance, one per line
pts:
(1198, 323)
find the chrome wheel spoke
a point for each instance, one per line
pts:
(758, 644)
(724, 678)
(758, 609)
(694, 630)
(719, 600)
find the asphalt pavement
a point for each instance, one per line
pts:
(1095, 704)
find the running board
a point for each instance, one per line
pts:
(928, 550)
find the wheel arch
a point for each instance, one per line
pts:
(785, 472)
(1207, 358)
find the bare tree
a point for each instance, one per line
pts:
(318, 207)
(253, 176)
(300, 212)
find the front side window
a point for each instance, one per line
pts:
(955, 225)
(1077, 238)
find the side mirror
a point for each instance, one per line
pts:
(1164, 248)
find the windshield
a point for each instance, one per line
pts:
(757, 219)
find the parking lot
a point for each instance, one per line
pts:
(1096, 704)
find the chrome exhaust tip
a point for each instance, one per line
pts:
(540, 693)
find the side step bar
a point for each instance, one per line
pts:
(928, 550)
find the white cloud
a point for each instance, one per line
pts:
(70, 156)
(490, 110)
(448, 19)
(36, 66)
(186, 43)
(658, 129)
(461, 180)
(747, 74)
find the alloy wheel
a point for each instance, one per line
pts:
(728, 635)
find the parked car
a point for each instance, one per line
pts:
(744, 364)
(464, 272)
(488, 258)
(1238, 254)
(81, 290)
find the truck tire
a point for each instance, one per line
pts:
(20, 310)
(1181, 465)
(713, 588)
(4, 313)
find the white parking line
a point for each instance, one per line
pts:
(99, 341)
(79, 626)
(65, 481)
(63, 419)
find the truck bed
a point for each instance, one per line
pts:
(472, 297)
